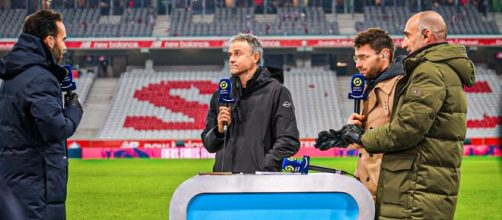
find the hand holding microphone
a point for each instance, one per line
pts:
(356, 119)
(71, 99)
(225, 98)
(224, 118)
(68, 85)
(357, 85)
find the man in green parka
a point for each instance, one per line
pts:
(423, 142)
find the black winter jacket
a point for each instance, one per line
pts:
(263, 130)
(33, 129)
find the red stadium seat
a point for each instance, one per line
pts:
(486, 122)
(479, 87)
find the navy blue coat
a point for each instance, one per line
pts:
(33, 129)
(9, 207)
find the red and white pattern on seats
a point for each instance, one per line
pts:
(479, 87)
(162, 95)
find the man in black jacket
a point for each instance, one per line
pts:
(34, 124)
(261, 124)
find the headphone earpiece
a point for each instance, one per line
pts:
(424, 33)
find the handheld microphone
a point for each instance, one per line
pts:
(302, 165)
(225, 95)
(357, 90)
(292, 165)
(68, 83)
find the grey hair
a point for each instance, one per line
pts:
(252, 41)
(434, 22)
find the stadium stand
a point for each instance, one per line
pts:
(150, 105)
(182, 25)
(137, 22)
(286, 21)
(316, 100)
(85, 22)
(80, 22)
(346, 105)
(484, 116)
(460, 20)
(229, 21)
(12, 22)
(466, 20)
(293, 21)
(391, 19)
(160, 98)
(173, 105)
(84, 83)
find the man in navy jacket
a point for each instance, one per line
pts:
(34, 123)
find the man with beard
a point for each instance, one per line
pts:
(34, 122)
(261, 123)
(374, 52)
(422, 145)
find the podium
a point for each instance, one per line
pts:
(319, 196)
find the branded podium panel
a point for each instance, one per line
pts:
(319, 196)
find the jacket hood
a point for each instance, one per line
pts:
(454, 56)
(275, 73)
(29, 51)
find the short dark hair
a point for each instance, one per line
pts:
(378, 40)
(42, 23)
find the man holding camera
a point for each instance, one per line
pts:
(34, 122)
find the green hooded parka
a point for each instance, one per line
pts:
(423, 142)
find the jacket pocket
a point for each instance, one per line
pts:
(395, 178)
(56, 175)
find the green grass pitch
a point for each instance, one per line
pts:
(142, 188)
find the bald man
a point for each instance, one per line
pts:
(422, 145)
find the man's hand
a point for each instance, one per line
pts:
(352, 134)
(224, 116)
(72, 100)
(356, 119)
(329, 139)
